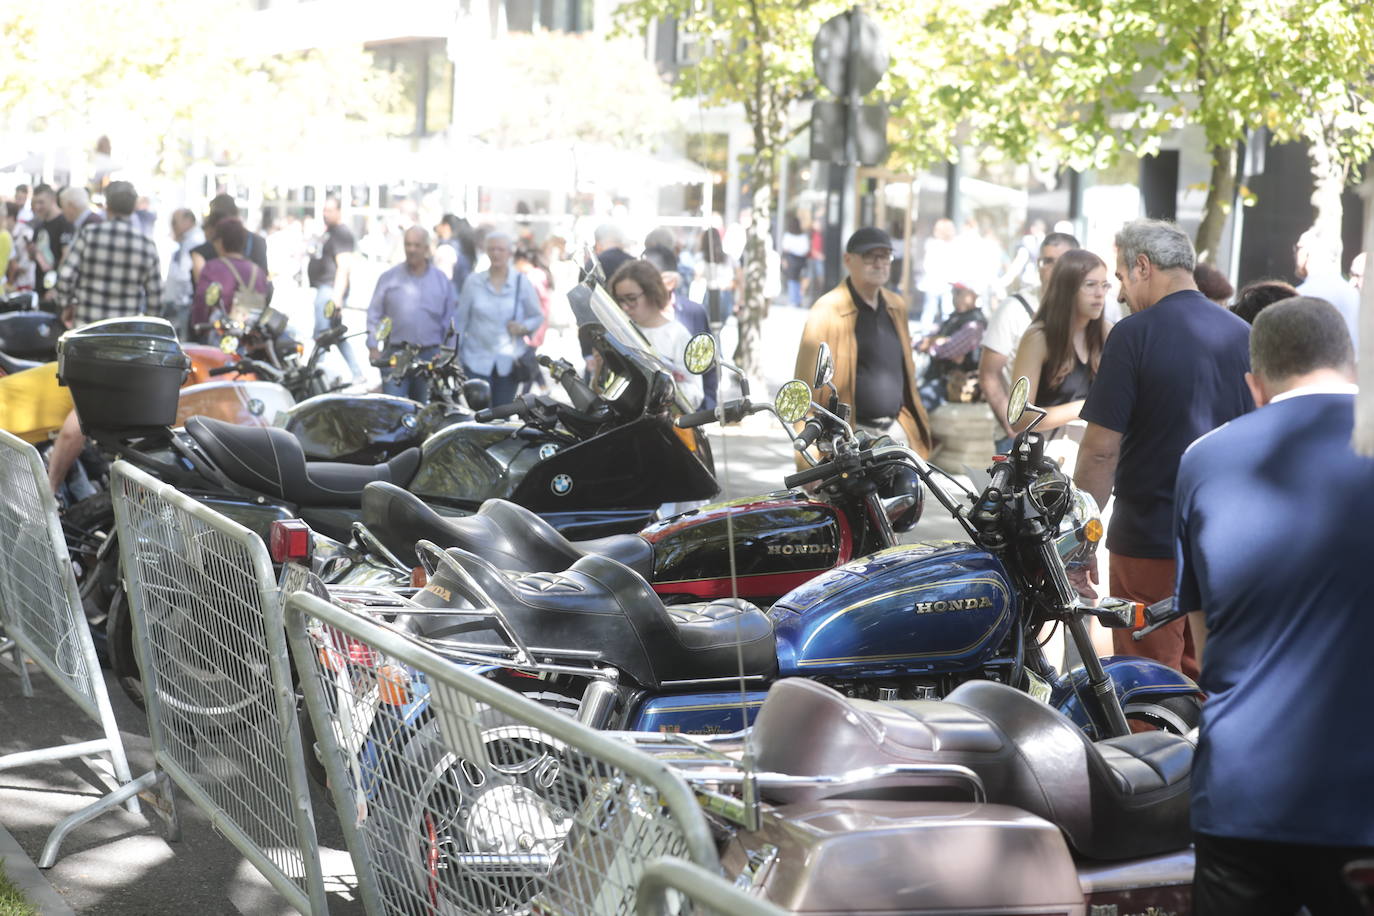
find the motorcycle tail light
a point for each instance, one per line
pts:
(418, 577)
(289, 540)
(393, 685)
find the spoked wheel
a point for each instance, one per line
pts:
(475, 836)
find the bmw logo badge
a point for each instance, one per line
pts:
(547, 450)
(561, 485)
(256, 407)
(409, 421)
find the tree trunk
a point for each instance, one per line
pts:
(1328, 183)
(759, 239)
(1221, 192)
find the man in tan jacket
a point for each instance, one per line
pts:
(866, 328)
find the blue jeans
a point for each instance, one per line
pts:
(503, 387)
(416, 385)
(322, 295)
(794, 292)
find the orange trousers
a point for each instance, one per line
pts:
(1149, 579)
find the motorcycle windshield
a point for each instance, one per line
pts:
(594, 307)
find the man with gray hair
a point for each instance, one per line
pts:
(420, 301)
(1319, 267)
(1270, 516)
(1171, 371)
(76, 207)
(608, 241)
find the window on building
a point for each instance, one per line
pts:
(548, 15)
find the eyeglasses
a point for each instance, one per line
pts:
(630, 300)
(877, 258)
(1095, 285)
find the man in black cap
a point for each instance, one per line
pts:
(866, 328)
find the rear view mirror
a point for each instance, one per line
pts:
(1016, 401)
(793, 400)
(825, 367)
(477, 394)
(700, 354)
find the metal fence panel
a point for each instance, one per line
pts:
(466, 797)
(681, 888)
(221, 707)
(41, 611)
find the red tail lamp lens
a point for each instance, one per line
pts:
(289, 540)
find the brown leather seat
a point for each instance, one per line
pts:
(1115, 799)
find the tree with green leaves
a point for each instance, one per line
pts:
(757, 54)
(177, 74)
(1087, 81)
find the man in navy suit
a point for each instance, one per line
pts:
(1271, 521)
(691, 315)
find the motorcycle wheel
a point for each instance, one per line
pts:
(1177, 714)
(438, 809)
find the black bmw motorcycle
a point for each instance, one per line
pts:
(602, 464)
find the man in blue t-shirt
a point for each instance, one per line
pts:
(1273, 562)
(1170, 372)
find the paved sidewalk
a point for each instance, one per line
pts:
(120, 864)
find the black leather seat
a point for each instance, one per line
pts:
(271, 461)
(1120, 798)
(602, 606)
(512, 537)
(12, 364)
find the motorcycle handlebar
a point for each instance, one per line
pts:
(729, 412)
(580, 393)
(224, 370)
(808, 436)
(499, 412)
(801, 478)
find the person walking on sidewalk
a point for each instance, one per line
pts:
(330, 273)
(866, 328)
(420, 300)
(497, 310)
(1270, 516)
(1170, 372)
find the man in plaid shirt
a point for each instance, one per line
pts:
(112, 269)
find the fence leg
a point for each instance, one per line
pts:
(21, 666)
(91, 812)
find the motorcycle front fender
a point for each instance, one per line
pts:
(1133, 678)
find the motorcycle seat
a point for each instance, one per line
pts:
(9, 365)
(1119, 798)
(601, 606)
(271, 461)
(512, 537)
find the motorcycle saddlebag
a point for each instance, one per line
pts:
(124, 373)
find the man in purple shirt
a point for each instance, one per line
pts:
(420, 301)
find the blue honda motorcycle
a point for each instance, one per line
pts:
(912, 621)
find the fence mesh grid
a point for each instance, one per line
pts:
(208, 628)
(463, 799)
(39, 604)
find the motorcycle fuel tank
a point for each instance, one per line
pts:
(913, 609)
(361, 428)
(470, 462)
(780, 541)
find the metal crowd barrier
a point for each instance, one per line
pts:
(43, 619)
(675, 887)
(465, 797)
(221, 707)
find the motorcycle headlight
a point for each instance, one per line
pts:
(1080, 530)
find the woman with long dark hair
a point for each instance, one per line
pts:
(1062, 348)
